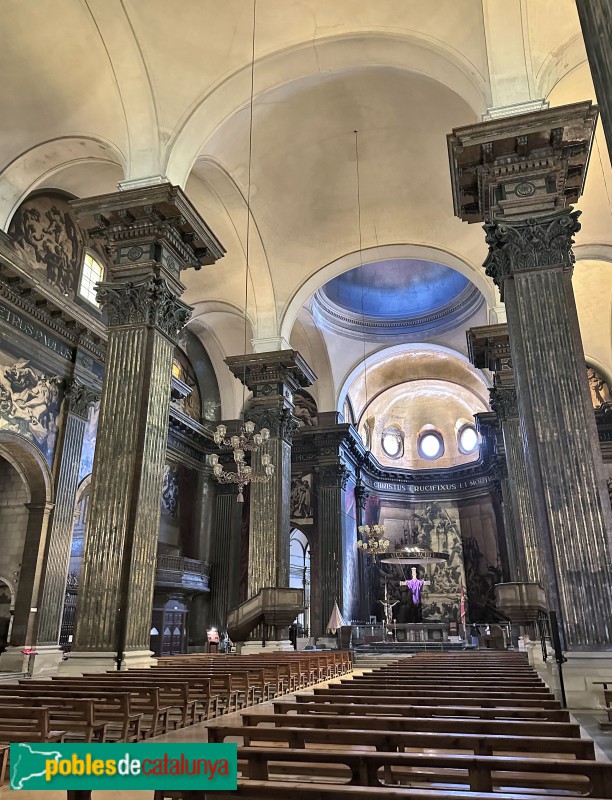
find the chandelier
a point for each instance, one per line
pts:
(245, 440)
(373, 541)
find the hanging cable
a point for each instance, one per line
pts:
(363, 326)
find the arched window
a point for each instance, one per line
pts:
(299, 574)
(91, 273)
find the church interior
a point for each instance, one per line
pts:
(306, 368)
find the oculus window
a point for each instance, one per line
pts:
(468, 439)
(92, 273)
(431, 445)
(392, 443)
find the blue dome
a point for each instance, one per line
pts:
(403, 299)
(404, 288)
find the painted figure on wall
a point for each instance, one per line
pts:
(305, 408)
(89, 440)
(29, 403)
(45, 228)
(301, 498)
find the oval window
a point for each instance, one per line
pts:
(468, 439)
(392, 443)
(431, 446)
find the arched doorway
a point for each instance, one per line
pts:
(299, 575)
(25, 507)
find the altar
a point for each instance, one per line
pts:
(420, 631)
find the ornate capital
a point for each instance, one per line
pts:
(145, 302)
(361, 495)
(267, 375)
(503, 402)
(334, 476)
(280, 422)
(79, 397)
(530, 244)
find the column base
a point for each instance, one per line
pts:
(581, 672)
(46, 660)
(80, 662)
(283, 645)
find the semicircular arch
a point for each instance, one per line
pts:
(30, 464)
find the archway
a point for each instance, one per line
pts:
(26, 483)
(299, 576)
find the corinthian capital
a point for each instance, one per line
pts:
(503, 402)
(145, 302)
(530, 244)
(79, 397)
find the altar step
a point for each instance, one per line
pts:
(407, 648)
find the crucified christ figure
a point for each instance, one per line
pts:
(387, 607)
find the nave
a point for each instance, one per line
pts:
(470, 725)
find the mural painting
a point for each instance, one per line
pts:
(89, 440)
(305, 409)
(170, 490)
(185, 392)
(301, 500)
(482, 557)
(45, 229)
(29, 402)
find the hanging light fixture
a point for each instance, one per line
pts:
(246, 440)
(373, 541)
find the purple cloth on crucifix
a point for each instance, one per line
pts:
(415, 585)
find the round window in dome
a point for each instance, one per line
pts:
(431, 445)
(392, 444)
(468, 439)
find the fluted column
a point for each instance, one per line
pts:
(225, 552)
(519, 176)
(77, 400)
(272, 378)
(151, 235)
(530, 557)
(331, 483)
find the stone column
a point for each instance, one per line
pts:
(272, 378)
(596, 22)
(519, 176)
(77, 400)
(331, 480)
(150, 235)
(204, 531)
(488, 425)
(361, 499)
(224, 557)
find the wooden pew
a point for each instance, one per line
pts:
(27, 724)
(340, 703)
(74, 716)
(277, 790)
(427, 691)
(427, 724)
(110, 706)
(391, 695)
(388, 741)
(474, 773)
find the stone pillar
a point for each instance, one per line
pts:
(150, 234)
(225, 552)
(204, 531)
(272, 378)
(519, 176)
(331, 480)
(361, 499)
(77, 400)
(596, 22)
(489, 427)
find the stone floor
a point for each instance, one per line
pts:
(197, 733)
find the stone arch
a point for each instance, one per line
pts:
(31, 465)
(385, 352)
(414, 53)
(36, 165)
(383, 253)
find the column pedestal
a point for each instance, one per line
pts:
(79, 663)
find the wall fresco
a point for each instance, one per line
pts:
(29, 402)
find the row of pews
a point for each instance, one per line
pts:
(139, 704)
(471, 725)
